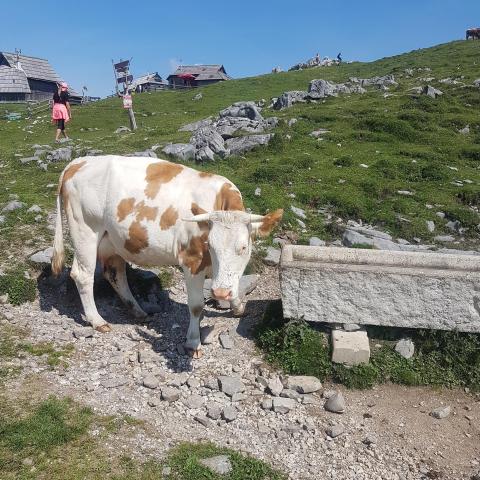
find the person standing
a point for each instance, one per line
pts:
(62, 111)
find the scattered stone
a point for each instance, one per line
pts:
(292, 122)
(203, 420)
(335, 431)
(288, 393)
(214, 412)
(122, 130)
(193, 382)
(170, 394)
(219, 464)
(166, 471)
(275, 386)
(230, 385)
(316, 242)
(153, 402)
(267, 404)
(431, 91)
(191, 127)
(226, 341)
(465, 130)
(350, 348)
(180, 151)
(319, 133)
(407, 193)
(283, 405)
(454, 226)
(335, 403)
(83, 332)
(26, 160)
(43, 257)
(150, 381)
(258, 192)
(370, 439)
(114, 382)
(273, 257)
(430, 226)
(13, 205)
(208, 334)
(298, 212)
(34, 209)
(63, 154)
(405, 347)
(229, 413)
(303, 383)
(441, 412)
(198, 96)
(240, 145)
(193, 401)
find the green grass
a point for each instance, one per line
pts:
(53, 439)
(448, 359)
(54, 356)
(18, 288)
(408, 142)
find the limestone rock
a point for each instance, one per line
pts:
(283, 405)
(63, 154)
(441, 412)
(170, 394)
(273, 257)
(350, 348)
(230, 385)
(219, 464)
(303, 383)
(405, 347)
(44, 257)
(335, 403)
(240, 145)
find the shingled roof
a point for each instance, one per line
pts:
(13, 80)
(35, 68)
(203, 72)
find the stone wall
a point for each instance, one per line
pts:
(373, 287)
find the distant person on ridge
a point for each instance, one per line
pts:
(61, 112)
(339, 57)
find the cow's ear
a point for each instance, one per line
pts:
(269, 222)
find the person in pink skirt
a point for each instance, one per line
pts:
(61, 112)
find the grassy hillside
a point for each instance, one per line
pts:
(408, 143)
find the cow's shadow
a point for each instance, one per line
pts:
(168, 327)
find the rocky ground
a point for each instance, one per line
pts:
(227, 396)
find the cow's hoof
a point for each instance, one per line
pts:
(240, 311)
(105, 328)
(197, 353)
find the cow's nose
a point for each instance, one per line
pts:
(221, 293)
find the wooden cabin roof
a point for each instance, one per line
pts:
(13, 80)
(35, 68)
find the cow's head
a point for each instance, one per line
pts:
(230, 246)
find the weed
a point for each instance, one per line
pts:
(19, 288)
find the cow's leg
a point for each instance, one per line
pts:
(114, 270)
(83, 269)
(196, 302)
(238, 307)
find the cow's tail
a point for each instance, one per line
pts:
(58, 251)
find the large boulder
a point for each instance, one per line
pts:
(228, 126)
(181, 151)
(322, 88)
(191, 127)
(384, 81)
(431, 91)
(243, 109)
(240, 145)
(209, 137)
(287, 99)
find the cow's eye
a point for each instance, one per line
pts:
(242, 250)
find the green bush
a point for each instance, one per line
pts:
(449, 359)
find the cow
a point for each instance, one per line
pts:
(473, 33)
(154, 212)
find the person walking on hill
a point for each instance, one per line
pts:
(339, 57)
(61, 112)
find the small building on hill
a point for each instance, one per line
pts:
(197, 75)
(147, 83)
(24, 78)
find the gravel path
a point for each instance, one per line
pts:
(384, 433)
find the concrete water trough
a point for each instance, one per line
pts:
(375, 287)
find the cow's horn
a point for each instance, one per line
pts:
(256, 218)
(202, 217)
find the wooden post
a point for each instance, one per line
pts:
(131, 114)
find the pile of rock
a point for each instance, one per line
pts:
(316, 61)
(218, 135)
(319, 89)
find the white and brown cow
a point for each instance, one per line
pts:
(155, 213)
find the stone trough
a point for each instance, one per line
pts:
(374, 287)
